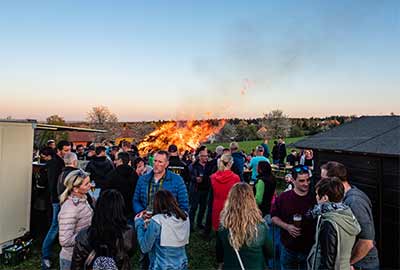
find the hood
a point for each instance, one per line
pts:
(342, 215)
(224, 176)
(124, 170)
(174, 232)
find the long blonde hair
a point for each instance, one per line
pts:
(73, 179)
(241, 215)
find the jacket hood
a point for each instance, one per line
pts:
(124, 170)
(223, 177)
(174, 232)
(345, 219)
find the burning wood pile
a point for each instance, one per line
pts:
(185, 135)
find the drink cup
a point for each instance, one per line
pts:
(297, 218)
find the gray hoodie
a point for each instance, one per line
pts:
(347, 228)
(174, 232)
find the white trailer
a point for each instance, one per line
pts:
(16, 154)
(16, 148)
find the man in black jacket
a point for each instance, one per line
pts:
(200, 172)
(123, 178)
(55, 164)
(99, 167)
(176, 165)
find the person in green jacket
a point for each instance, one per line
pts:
(243, 232)
(337, 228)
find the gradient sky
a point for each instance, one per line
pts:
(150, 60)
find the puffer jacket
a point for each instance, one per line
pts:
(75, 215)
(172, 183)
(83, 248)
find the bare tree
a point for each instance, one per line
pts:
(277, 124)
(101, 118)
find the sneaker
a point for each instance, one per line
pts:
(46, 264)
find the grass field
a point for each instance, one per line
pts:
(201, 255)
(247, 146)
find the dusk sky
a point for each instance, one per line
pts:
(150, 60)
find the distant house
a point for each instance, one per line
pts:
(126, 134)
(370, 149)
(81, 137)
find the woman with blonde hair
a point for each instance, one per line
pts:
(75, 214)
(221, 182)
(243, 231)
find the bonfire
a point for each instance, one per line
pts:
(185, 135)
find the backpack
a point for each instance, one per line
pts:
(104, 263)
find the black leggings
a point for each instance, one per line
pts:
(219, 249)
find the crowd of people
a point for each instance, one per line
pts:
(108, 202)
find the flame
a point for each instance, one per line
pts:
(186, 136)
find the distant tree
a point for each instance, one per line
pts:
(296, 131)
(44, 135)
(227, 133)
(277, 123)
(101, 118)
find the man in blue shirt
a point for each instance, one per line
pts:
(255, 160)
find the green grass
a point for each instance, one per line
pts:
(201, 255)
(247, 146)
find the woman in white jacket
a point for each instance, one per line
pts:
(75, 214)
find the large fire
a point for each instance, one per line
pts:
(185, 135)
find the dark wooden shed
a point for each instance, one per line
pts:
(370, 149)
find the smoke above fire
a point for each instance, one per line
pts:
(185, 135)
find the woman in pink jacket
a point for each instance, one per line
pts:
(75, 214)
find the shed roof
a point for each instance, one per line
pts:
(367, 134)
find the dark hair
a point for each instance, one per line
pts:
(61, 144)
(124, 156)
(47, 151)
(335, 169)
(331, 187)
(201, 148)
(114, 147)
(162, 152)
(79, 146)
(264, 169)
(108, 223)
(137, 161)
(299, 169)
(100, 149)
(165, 203)
(125, 144)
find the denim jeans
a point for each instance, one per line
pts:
(51, 234)
(198, 198)
(274, 234)
(65, 264)
(291, 260)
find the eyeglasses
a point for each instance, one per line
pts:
(302, 168)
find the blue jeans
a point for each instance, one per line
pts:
(51, 234)
(65, 264)
(291, 260)
(274, 234)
